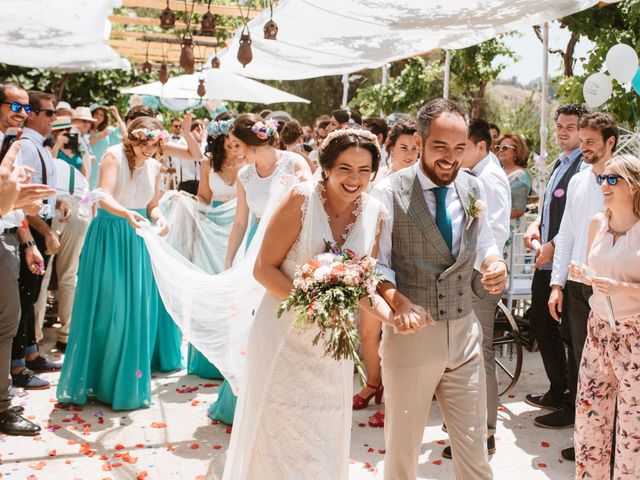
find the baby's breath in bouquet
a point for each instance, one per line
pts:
(326, 292)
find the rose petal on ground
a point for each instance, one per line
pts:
(170, 448)
(545, 444)
(119, 447)
(437, 462)
(217, 447)
(159, 425)
(228, 429)
(542, 465)
(38, 466)
(52, 453)
(371, 450)
(116, 465)
(139, 445)
(441, 442)
(106, 467)
(194, 446)
(142, 475)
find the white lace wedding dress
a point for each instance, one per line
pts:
(293, 418)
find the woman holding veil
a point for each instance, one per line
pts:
(252, 139)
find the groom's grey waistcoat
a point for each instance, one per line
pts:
(426, 270)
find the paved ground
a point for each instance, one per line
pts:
(175, 440)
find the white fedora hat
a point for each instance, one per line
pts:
(82, 113)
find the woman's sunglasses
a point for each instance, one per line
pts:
(17, 106)
(505, 147)
(611, 179)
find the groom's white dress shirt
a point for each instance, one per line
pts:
(486, 245)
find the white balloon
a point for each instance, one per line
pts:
(597, 89)
(622, 62)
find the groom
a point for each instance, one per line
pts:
(435, 235)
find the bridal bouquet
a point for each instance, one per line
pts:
(326, 292)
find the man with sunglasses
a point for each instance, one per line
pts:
(569, 299)
(546, 331)
(14, 108)
(25, 356)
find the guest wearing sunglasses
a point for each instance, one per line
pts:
(608, 381)
(569, 299)
(513, 153)
(26, 360)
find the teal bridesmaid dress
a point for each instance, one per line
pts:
(99, 148)
(224, 408)
(115, 318)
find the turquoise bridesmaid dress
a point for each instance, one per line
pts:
(115, 314)
(99, 148)
(117, 305)
(224, 408)
(167, 351)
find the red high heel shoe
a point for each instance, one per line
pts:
(377, 420)
(360, 403)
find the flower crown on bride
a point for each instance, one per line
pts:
(147, 134)
(266, 129)
(356, 132)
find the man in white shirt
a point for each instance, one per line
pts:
(569, 299)
(434, 237)
(497, 193)
(33, 154)
(170, 177)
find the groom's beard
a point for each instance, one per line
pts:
(439, 179)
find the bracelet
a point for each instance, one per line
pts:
(28, 244)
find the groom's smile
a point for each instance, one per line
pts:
(443, 148)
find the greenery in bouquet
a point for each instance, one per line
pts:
(326, 293)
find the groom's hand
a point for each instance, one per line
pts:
(409, 318)
(495, 278)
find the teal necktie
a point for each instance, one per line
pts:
(443, 219)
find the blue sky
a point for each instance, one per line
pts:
(529, 49)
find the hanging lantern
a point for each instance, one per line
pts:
(245, 55)
(270, 30)
(187, 59)
(167, 18)
(164, 74)
(147, 67)
(215, 62)
(202, 90)
(208, 24)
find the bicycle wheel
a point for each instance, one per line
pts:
(507, 344)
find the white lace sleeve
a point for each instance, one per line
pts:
(304, 189)
(383, 216)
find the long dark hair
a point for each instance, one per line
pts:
(216, 152)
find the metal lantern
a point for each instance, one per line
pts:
(245, 55)
(270, 30)
(164, 74)
(208, 24)
(147, 67)
(187, 59)
(202, 90)
(167, 18)
(215, 62)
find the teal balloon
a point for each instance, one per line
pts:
(635, 81)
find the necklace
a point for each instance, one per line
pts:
(617, 233)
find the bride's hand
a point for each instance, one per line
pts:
(163, 227)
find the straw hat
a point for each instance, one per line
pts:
(83, 113)
(61, 123)
(64, 106)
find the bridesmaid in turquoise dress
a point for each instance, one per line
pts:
(102, 136)
(217, 189)
(117, 304)
(252, 139)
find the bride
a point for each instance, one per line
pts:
(293, 418)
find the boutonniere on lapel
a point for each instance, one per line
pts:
(475, 209)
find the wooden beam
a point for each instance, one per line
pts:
(152, 22)
(139, 36)
(178, 6)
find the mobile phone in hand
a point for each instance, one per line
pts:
(11, 135)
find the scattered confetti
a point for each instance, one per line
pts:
(437, 462)
(119, 447)
(217, 447)
(38, 466)
(142, 475)
(138, 374)
(542, 465)
(545, 444)
(441, 442)
(194, 446)
(159, 425)
(371, 450)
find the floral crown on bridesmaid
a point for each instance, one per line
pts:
(220, 127)
(265, 130)
(148, 134)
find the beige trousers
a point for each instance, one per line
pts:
(445, 360)
(72, 233)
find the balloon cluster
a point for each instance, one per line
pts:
(622, 64)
